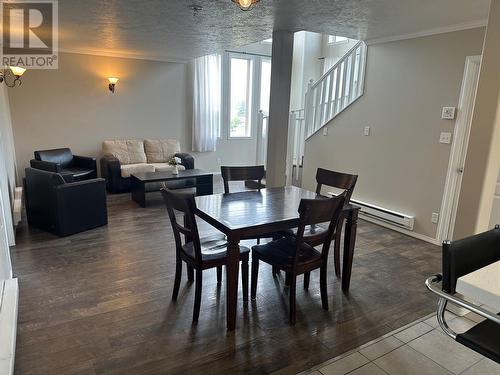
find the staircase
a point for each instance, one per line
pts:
(338, 88)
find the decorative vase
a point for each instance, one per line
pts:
(175, 169)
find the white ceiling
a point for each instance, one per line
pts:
(167, 29)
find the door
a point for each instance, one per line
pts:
(459, 148)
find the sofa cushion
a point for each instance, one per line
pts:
(128, 169)
(160, 150)
(130, 151)
(164, 167)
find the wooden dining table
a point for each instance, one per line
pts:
(257, 213)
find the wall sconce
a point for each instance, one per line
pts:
(112, 83)
(16, 72)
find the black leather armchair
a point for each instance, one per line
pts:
(61, 207)
(115, 183)
(460, 258)
(61, 160)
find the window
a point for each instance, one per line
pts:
(240, 120)
(265, 85)
(336, 39)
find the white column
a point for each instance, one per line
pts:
(279, 108)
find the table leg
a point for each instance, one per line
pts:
(233, 260)
(138, 190)
(349, 242)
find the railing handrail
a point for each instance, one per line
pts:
(341, 60)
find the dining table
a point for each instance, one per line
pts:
(257, 213)
(482, 286)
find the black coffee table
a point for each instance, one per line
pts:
(139, 182)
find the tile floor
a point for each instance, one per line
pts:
(419, 348)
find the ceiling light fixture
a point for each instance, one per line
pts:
(16, 72)
(112, 83)
(245, 4)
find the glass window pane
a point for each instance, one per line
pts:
(240, 115)
(265, 85)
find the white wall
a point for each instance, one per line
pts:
(483, 152)
(72, 107)
(401, 166)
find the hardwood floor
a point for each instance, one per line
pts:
(99, 302)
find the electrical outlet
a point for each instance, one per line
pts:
(435, 217)
(325, 130)
(366, 131)
(445, 138)
(448, 113)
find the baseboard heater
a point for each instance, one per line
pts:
(370, 211)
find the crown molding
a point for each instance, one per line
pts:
(429, 32)
(134, 56)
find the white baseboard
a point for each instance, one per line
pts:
(9, 296)
(410, 233)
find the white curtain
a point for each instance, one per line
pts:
(206, 102)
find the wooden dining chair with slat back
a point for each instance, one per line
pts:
(247, 173)
(294, 255)
(338, 180)
(195, 252)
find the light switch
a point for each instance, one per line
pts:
(445, 138)
(367, 131)
(325, 130)
(448, 113)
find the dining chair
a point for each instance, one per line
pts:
(198, 254)
(295, 255)
(246, 173)
(337, 180)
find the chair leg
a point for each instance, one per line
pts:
(307, 277)
(244, 278)
(336, 248)
(255, 274)
(197, 295)
(293, 288)
(219, 274)
(322, 283)
(276, 271)
(178, 275)
(190, 273)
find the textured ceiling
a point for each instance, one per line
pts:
(167, 29)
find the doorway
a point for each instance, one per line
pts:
(459, 148)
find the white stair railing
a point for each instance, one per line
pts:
(296, 137)
(339, 87)
(262, 123)
(336, 89)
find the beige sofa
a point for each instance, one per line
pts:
(121, 158)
